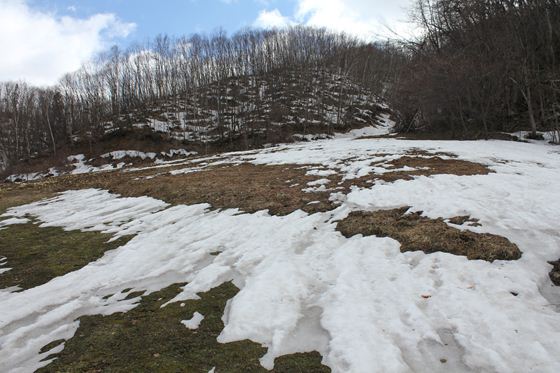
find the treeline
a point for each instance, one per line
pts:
(482, 66)
(35, 120)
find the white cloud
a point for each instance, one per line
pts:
(272, 19)
(367, 19)
(40, 47)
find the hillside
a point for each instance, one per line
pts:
(301, 197)
(235, 114)
(357, 253)
(260, 109)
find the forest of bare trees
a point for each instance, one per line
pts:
(483, 66)
(41, 120)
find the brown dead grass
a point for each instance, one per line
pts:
(418, 233)
(461, 220)
(248, 187)
(20, 194)
(425, 166)
(433, 166)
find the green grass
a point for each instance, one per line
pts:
(37, 255)
(152, 339)
(146, 339)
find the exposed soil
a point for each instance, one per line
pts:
(20, 194)
(150, 338)
(424, 166)
(462, 220)
(418, 233)
(433, 166)
(248, 187)
(555, 272)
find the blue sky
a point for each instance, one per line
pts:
(173, 17)
(48, 38)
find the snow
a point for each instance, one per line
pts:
(80, 163)
(549, 136)
(33, 176)
(120, 154)
(323, 173)
(359, 301)
(319, 182)
(383, 128)
(13, 221)
(81, 167)
(194, 322)
(3, 263)
(175, 152)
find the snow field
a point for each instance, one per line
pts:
(360, 302)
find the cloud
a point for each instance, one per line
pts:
(272, 19)
(366, 19)
(40, 47)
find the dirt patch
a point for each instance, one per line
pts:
(37, 255)
(462, 220)
(555, 272)
(248, 187)
(422, 166)
(437, 166)
(20, 194)
(417, 152)
(151, 338)
(418, 233)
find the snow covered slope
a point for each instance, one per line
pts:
(359, 301)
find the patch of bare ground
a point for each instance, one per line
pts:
(20, 194)
(422, 166)
(249, 187)
(555, 272)
(418, 233)
(462, 220)
(437, 165)
(246, 186)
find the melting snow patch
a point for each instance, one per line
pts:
(120, 154)
(319, 182)
(359, 301)
(13, 221)
(194, 322)
(3, 263)
(321, 173)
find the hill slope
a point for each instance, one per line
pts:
(380, 254)
(234, 114)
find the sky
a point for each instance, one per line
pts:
(41, 40)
